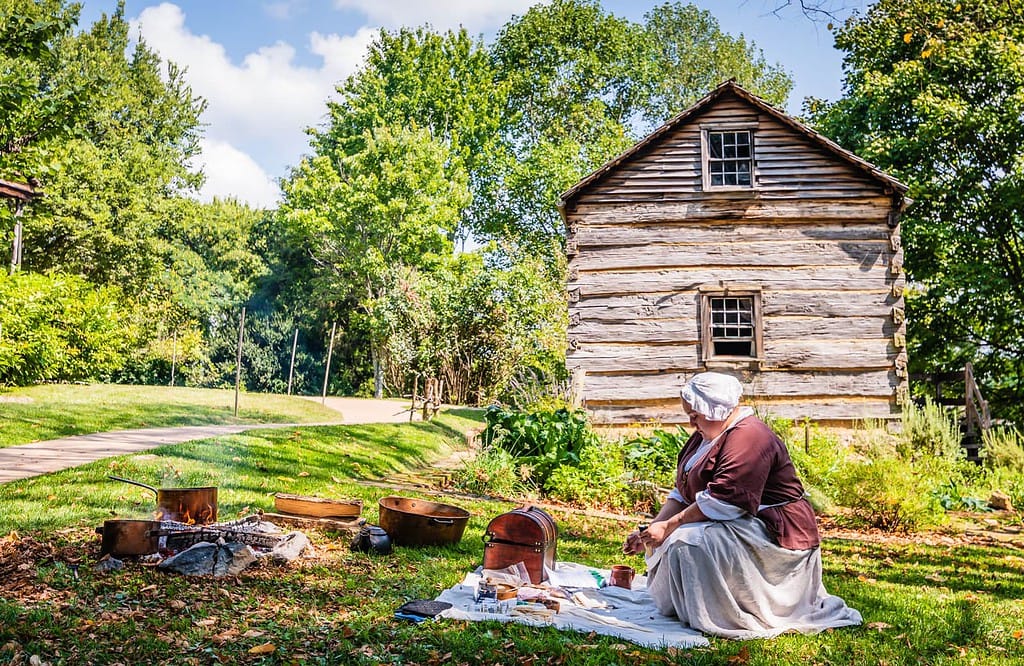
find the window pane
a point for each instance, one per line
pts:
(715, 144)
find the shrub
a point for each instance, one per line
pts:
(61, 328)
(929, 430)
(601, 479)
(539, 440)
(494, 472)
(885, 492)
(1003, 448)
(653, 457)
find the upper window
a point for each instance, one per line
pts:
(732, 327)
(728, 158)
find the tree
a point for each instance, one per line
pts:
(934, 93)
(38, 101)
(443, 84)
(584, 84)
(112, 185)
(389, 204)
(474, 325)
(689, 55)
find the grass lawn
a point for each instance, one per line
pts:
(51, 411)
(932, 599)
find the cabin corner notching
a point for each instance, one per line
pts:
(735, 239)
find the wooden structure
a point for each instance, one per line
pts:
(20, 193)
(735, 239)
(970, 406)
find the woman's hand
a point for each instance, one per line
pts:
(633, 545)
(655, 533)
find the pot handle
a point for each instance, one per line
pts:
(442, 521)
(135, 483)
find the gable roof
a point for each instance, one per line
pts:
(730, 86)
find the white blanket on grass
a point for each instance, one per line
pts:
(631, 614)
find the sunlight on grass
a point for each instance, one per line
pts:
(51, 411)
(949, 603)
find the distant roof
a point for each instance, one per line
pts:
(13, 190)
(709, 99)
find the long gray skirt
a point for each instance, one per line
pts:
(729, 579)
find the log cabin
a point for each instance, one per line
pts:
(736, 239)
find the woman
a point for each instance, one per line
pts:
(734, 550)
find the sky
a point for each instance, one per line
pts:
(266, 68)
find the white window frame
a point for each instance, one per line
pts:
(706, 159)
(707, 337)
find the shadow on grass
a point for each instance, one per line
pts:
(964, 568)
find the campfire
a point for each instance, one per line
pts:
(184, 536)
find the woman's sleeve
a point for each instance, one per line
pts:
(716, 509)
(674, 494)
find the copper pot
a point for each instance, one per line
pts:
(183, 505)
(129, 537)
(411, 522)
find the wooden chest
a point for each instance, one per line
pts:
(528, 535)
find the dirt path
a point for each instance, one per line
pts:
(27, 460)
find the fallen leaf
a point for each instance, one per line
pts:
(225, 636)
(935, 578)
(1018, 634)
(303, 474)
(878, 626)
(177, 604)
(741, 657)
(253, 633)
(265, 648)
(206, 622)
(148, 588)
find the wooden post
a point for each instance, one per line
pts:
(415, 388)
(174, 356)
(16, 250)
(327, 370)
(291, 366)
(238, 360)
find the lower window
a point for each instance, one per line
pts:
(731, 325)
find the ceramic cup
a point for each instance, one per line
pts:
(622, 576)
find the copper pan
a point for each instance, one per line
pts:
(184, 505)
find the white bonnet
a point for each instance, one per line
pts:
(712, 394)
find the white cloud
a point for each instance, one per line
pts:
(474, 15)
(231, 173)
(263, 105)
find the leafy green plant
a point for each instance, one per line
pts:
(600, 479)
(653, 457)
(539, 440)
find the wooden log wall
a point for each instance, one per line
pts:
(814, 238)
